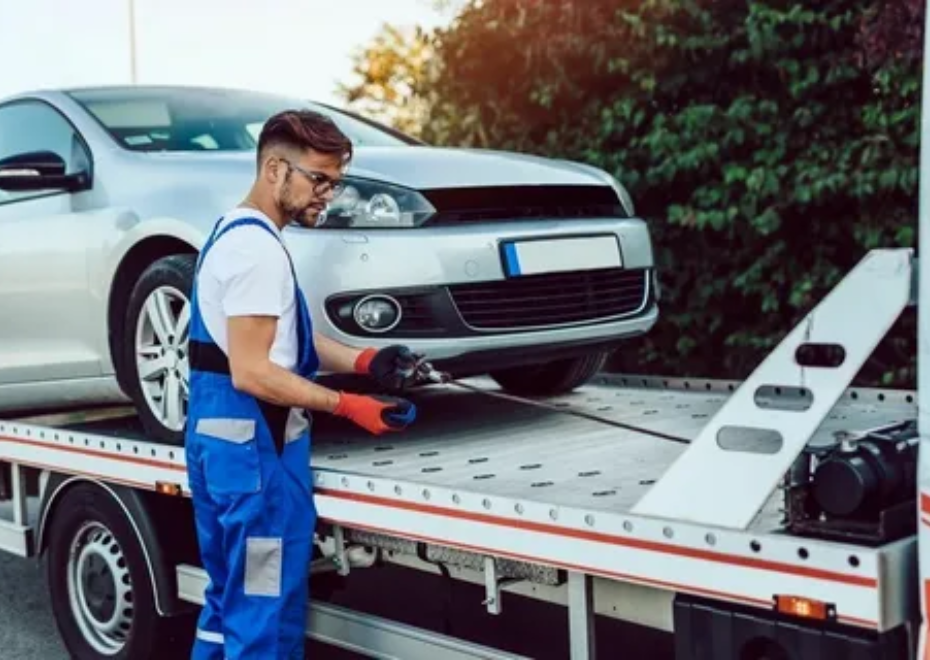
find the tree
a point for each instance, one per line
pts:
(389, 76)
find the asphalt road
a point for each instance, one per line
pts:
(27, 629)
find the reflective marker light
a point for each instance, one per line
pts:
(806, 608)
(168, 488)
(377, 313)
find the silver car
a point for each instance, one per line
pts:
(525, 268)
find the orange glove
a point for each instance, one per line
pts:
(376, 414)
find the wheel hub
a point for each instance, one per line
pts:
(161, 356)
(171, 358)
(99, 588)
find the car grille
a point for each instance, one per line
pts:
(551, 299)
(418, 318)
(464, 205)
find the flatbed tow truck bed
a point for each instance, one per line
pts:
(506, 491)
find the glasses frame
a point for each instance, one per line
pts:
(321, 183)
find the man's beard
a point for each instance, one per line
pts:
(304, 215)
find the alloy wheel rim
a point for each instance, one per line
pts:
(161, 355)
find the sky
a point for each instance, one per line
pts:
(301, 47)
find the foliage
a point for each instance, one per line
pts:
(389, 77)
(893, 30)
(770, 143)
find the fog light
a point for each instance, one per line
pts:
(377, 313)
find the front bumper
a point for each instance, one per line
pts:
(457, 302)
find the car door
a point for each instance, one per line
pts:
(46, 331)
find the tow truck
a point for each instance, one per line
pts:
(782, 516)
(788, 510)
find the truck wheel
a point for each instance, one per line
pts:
(552, 378)
(155, 346)
(100, 586)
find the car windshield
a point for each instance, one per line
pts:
(190, 119)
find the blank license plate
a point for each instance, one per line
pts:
(561, 255)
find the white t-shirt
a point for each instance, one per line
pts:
(247, 272)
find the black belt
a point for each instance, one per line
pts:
(209, 357)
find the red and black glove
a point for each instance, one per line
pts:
(376, 414)
(393, 367)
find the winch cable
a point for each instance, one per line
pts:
(427, 372)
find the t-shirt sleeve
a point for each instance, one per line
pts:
(252, 271)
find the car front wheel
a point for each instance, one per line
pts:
(155, 346)
(551, 378)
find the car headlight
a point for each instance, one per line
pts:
(375, 205)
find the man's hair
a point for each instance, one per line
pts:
(302, 130)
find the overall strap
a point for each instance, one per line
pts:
(218, 232)
(211, 239)
(206, 356)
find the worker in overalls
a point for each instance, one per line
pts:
(253, 355)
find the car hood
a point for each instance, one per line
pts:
(424, 168)
(432, 167)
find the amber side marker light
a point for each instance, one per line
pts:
(805, 608)
(167, 488)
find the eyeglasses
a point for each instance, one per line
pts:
(321, 183)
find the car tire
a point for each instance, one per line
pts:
(551, 378)
(154, 344)
(100, 586)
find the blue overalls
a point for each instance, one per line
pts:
(249, 472)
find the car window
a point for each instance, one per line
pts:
(192, 119)
(36, 126)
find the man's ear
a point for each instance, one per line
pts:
(271, 169)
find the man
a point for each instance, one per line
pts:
(253, 355)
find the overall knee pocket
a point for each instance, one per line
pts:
(229, 449)
(263, 566)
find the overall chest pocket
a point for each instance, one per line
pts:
(231, 462)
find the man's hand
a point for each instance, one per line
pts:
(376, 414)
(393, 367)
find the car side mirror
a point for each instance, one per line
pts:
(38, 170)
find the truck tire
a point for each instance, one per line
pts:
(100, 585)
(165, 284)
(551, 378)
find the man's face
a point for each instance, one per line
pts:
(307, 186)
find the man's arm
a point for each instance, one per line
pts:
(334, 356)
(250, 339)
(252, 271)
